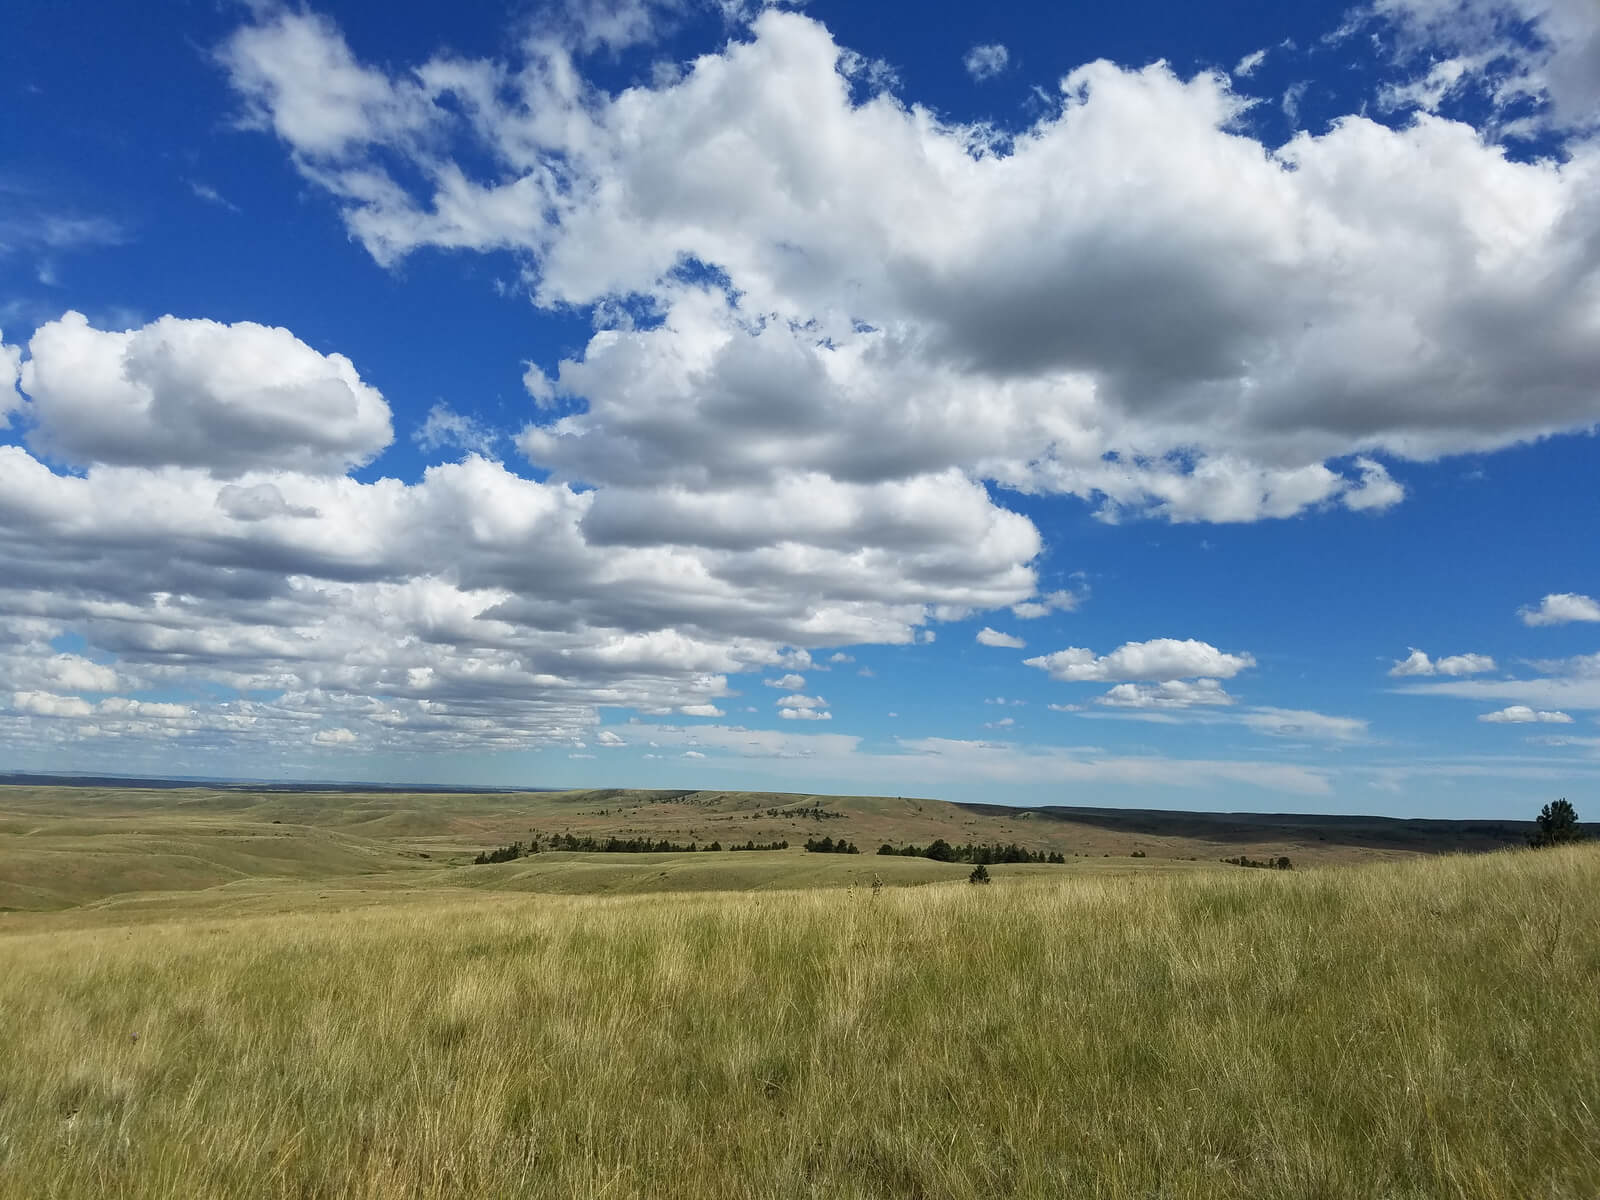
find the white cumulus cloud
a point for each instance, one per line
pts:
(1418, 663)
(1161, 659)
(799, 701)
(1521, 714)
(197, 393)
(804, 708)
(49, 704)
(993, 637)
(1561, 608)
(1131, 300)
(74, 673)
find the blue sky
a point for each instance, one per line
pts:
(1153, 405)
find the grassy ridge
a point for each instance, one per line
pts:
(1422, 1029)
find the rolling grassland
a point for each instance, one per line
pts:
(1422, 1028)
(64, 848)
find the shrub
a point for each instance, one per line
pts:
(980, 874)
(1281, 863)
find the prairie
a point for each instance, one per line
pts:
(63, 848)
(1419, 1028)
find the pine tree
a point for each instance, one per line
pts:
(1557, 822)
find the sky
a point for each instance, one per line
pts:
(1154, 405)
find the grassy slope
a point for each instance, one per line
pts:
(61, 847)
(1422, 1029)
(66, 847)
(554, 874)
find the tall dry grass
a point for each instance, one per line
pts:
(1421, 1030)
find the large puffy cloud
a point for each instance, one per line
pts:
(468, 609)
(215, 536)
(1161, 659)
(197, 393)
(826, 322)
(1131, 300)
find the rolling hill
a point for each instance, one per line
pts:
(117, 847)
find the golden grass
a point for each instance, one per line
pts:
(1414, 1030)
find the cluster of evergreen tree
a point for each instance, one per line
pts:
(611, 845)
(644, 845)
(507, 853)
(1281, 863)
(828, 846)
(942, 851)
